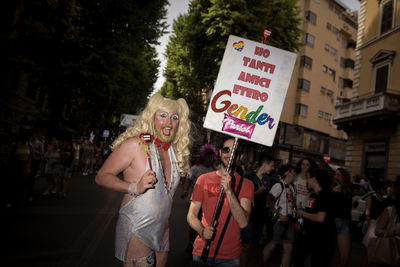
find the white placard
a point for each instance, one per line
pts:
(250, 90)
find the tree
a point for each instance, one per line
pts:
(95, 59)
(196, 46)
(119, 57)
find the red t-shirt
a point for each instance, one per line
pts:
(206, 191)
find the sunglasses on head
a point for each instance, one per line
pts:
(226, 150)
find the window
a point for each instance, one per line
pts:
(323, 90)
(311, 17)
(320, 114)
(348, 83)
(346, 63)
(328, 26)
(386, 16)
(301, 110)
(332, 73)
(341, 82)
(382, 62)
(344, 43)
(336, 32)
(327, 47)
(329, 71)
(381, 79)
(334, 52)
(328, 117)
(308, 39)
(351, 44)
(303, 84)
(345, 83)
(306, 62)
(330, 94)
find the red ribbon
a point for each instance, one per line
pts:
(158, 143)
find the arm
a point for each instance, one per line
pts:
(368, 208)
(194, 222)
(270, 202)
(119, 160)
(260, 190)
(240, 210)
(317, 217)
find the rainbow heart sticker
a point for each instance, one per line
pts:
(238, 46)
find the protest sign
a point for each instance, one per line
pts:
(250, 90)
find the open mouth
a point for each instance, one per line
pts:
(166, 131)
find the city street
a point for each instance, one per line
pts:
(79, 230)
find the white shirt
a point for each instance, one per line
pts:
(286, 198)
(302, 193)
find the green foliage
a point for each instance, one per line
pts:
(95, 59)
(198, 41)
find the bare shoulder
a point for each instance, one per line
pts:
(126, 151)
(124, 157)
(131, 144)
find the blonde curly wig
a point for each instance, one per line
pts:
(145, 124)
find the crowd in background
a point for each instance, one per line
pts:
(25, 158)
(305, 209)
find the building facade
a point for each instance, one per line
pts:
(323, 76)
(371, 117)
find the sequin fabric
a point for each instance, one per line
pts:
(146, 216)
(149, 260)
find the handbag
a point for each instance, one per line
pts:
(384, 250)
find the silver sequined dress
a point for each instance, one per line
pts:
(146, 216)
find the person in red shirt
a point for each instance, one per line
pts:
(205, 195)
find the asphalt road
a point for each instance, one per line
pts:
(79, 230)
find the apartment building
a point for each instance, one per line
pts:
(371, 117)
(323, 76)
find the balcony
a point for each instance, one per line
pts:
(368, 106)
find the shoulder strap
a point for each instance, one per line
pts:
(294, 191)
(278, 198)
(227, 221)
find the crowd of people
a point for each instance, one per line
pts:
(237, 212)
(306, 210)
(27, 157)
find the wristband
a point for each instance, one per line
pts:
(132, 189)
